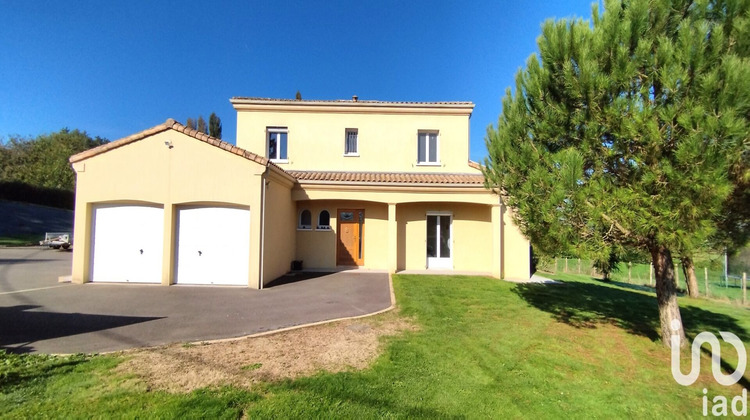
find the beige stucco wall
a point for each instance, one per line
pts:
(387, 141)
(516, 250)
(485, 237)
(472, 235)
(279, 235)
(148, 171)
(317, 248)
(472, 245)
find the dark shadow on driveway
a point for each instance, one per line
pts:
(294, 278)
(21, 326)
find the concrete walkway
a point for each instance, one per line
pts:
(41, 315)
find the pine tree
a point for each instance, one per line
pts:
(214, 126)
(201, 125)
(630, 131)
(689, 270)
(190, 123)
(298, 96)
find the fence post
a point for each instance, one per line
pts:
(705, 274)
(676, 276)
(630, 265)
(726, 269)
(650, 274)
(744, 288)
(579, 266)
(566, 264)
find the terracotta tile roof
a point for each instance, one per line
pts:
(354, 100)
(389, 177)
(475, 165)
(171, 124)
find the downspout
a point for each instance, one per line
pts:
(264, 185)
(502, 236)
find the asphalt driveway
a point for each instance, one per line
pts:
(38, 314)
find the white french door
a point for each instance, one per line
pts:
(439, 240)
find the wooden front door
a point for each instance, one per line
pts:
(351, 237)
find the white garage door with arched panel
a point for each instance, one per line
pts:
(213, 246)
(127, 244)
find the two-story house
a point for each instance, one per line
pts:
(343, 184)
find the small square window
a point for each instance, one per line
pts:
(427, 147)
(351, 143)
(277, 143)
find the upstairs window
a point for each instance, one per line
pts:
(277, 144)
(351, 146)
(305, 220)
(427, 148)
(324, 220)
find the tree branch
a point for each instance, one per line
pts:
(619, 227)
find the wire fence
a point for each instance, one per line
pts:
(712, 281)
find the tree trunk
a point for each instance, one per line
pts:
(690, 279)
(666, 296)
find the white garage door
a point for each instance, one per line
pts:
(213, 246)
(127, 244)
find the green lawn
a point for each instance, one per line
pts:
(485, 348)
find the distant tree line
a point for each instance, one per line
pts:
(37, 170)
(213, 128)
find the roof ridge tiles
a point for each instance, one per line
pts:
(382, 172)
(438, 178)
(340, 101)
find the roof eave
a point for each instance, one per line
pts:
(241, 103)
(389, 184)
(119, 142)
(171, 124)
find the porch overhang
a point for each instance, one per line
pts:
(394, 194)
(392, 188)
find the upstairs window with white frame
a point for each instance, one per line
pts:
(351, 142)
(427, 148)
(277, 143)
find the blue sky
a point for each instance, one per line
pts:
(116, 68)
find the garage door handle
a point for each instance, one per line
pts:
(200, 253)
(141, 252)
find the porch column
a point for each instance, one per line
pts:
(392, 238)
(497, 236)
(81, 271)
(168, 254)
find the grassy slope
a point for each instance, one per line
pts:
(485, 349)
(25, 223)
